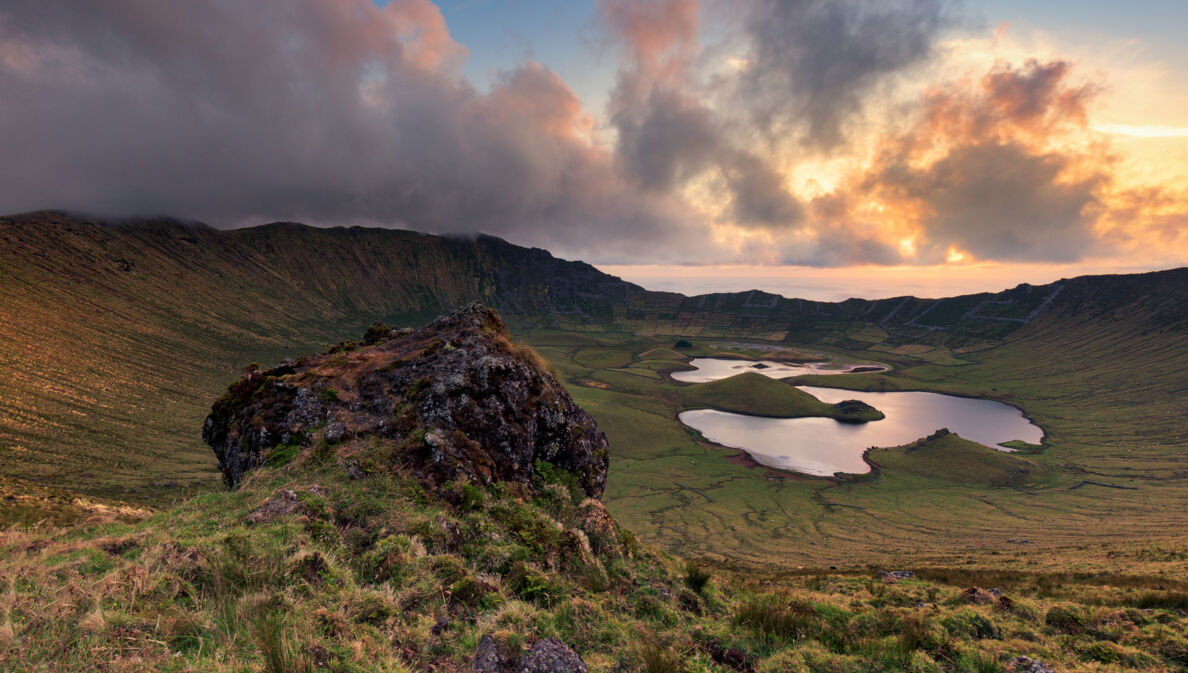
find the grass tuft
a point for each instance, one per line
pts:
(697, 577)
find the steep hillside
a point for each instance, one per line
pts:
(305, 569)
(351, 545)
(113, 336)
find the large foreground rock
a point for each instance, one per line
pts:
(457, 398)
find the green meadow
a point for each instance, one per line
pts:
(1109, 458)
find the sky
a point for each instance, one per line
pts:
(816, 148)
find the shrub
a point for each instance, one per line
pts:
(532, 585)
(469, 591)
(545, 473)
(356, 509)
(387, 559)
(593, 577)
(1096, 650)
(696, 576)
(656, 658)
(970, 624)
(282, 454)
(449, 569)
(1064, 620)
(376, 333)
(977, 662)
(472, 497)
(1166, 600)
(529, 528)
(278, 646)
(769, 617)
(357, 540)
(417, 387)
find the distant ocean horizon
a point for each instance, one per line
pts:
(864, 282)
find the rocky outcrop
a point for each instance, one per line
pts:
(487, 658)
(550, 656)
(457, 399)
(1028, 665)
(892, 576)
(546, 656)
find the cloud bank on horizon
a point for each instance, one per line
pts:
(810, 132)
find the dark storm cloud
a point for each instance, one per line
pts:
(667, 136)
(812, 62)
(834, 235)
(332, 112)
(760, 197)
(663, 139)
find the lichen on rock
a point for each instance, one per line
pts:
(457, 398)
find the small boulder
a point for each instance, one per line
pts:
(283, 503)
(487, 658)
(892, 576)
(599, 527)
(550, 656)
(977, 596)
(335, 432)
(1028, 665)
(730, 657)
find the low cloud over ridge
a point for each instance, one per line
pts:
(335, 112)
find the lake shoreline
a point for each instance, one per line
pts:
(819, 446)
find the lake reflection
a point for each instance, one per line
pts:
(823, 446)
(712, 369)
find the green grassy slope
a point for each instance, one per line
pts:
(945, 456)
(114, 340)
(382, 575)
(1097, 471)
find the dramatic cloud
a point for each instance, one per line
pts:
(668, 137)
(1150, 220)
(783, 132)
(992, 169)
(812, 62)
(333, 112)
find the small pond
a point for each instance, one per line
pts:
(712, 369)
(823, 446)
